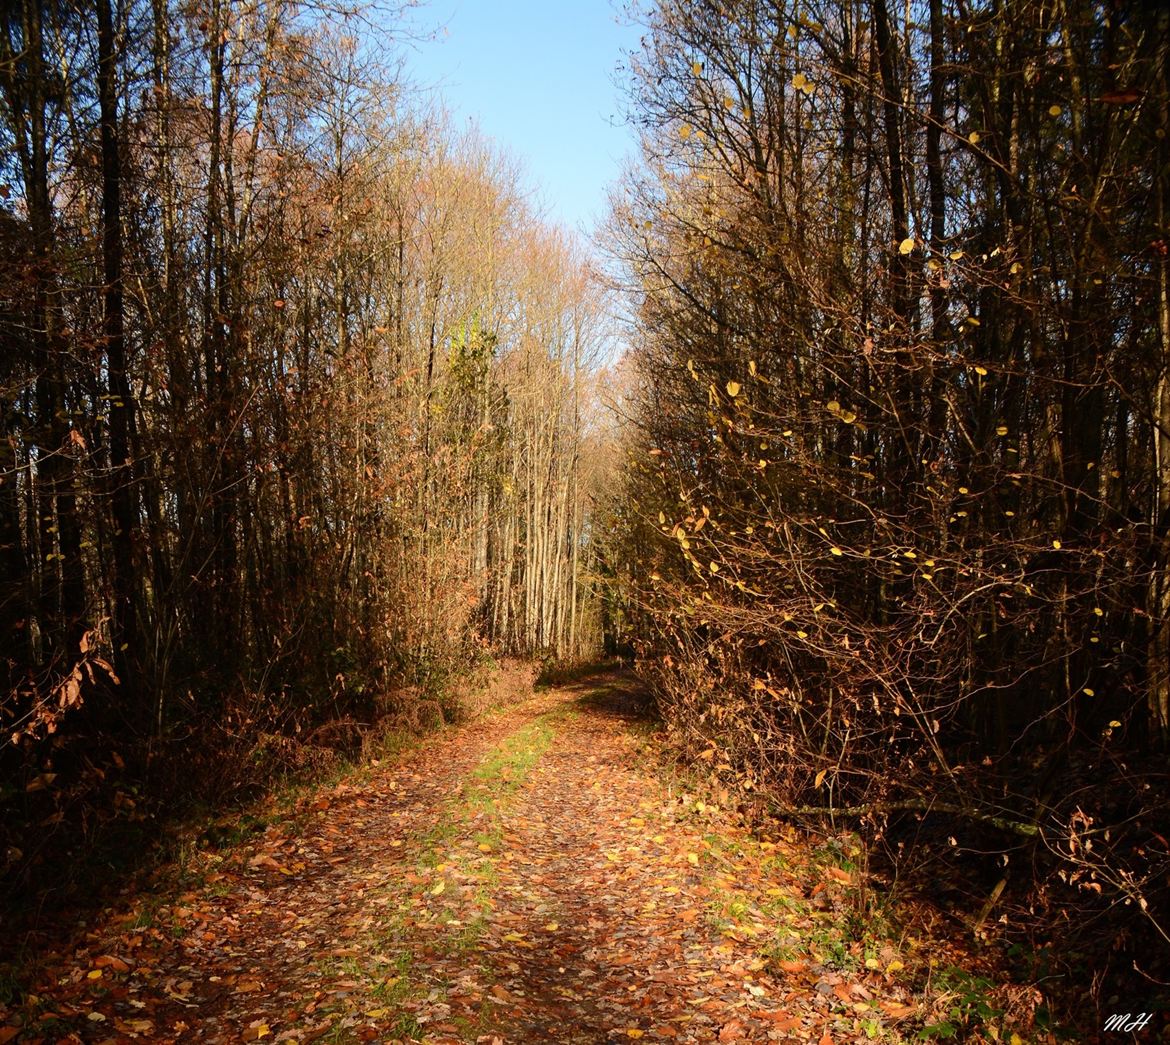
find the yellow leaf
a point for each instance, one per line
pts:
(1054, 110)
(848, 416)
(684, 131)
(438, 888)
(955, 255)
(697, 68)
(1001, 430)
(798, 81)
(94, 974)
(835, 551)
(693, 858)
(1089, 692)
(833, 406)
(906, 246)
(802, 634)
(377, 1014)
(1098, 612)
(1114, 724)
(792, 31)
(552, 927)
(1056, 545)
(714, 566)
(733, 388)
(981, 371)
(895, 966)
(973, 137)
(257, 1031)
(820, 778)
(484, 847)
(633, 1032)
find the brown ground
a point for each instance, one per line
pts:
(525, 878)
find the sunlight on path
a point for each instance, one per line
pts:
(526, 878)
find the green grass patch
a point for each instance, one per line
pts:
(485, 797)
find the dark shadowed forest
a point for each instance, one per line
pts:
(848, 430)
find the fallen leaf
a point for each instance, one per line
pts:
(896, 1008)
(264, 860)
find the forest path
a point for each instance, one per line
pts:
(523, 878)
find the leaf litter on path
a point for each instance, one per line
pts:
(523, 878)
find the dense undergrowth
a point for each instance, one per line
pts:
(100, 820)
(894, 533)
(1015, 942)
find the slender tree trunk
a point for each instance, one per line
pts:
(62, 596)
(123, 489)
(1158, 599)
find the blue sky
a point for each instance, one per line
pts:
(541, 78)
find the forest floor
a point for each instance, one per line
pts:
(531, 876)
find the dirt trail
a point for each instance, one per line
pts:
(525, 878)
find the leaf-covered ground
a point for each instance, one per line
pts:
(525, 878)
